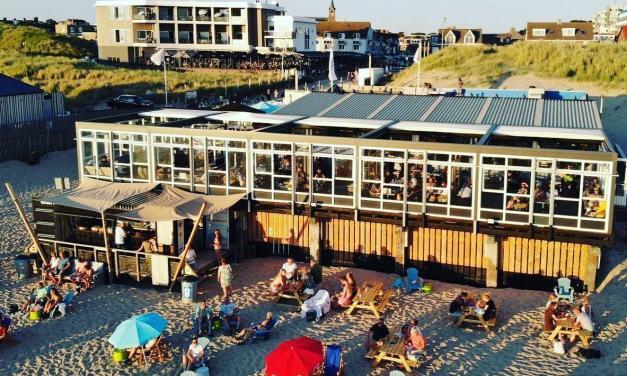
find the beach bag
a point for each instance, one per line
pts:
(216, 323)
(311, 315)
(558, 347)
(589, 353)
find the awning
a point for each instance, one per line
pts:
(98, 195)
(175, 204)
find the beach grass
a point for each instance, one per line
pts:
(604, 64)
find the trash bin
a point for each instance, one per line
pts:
(189, 288)
(23, 266)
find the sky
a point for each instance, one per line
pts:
(394, 15)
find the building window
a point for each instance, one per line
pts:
(273, 171)
(568, 32)
(327, 35)
(450, 38)
(144, 36)
(328, 45)
(469, 38)
(219, 164)
(356, 45)
(341, 45)
(96, 154)
(333, 177)
(130, 157)
(357, 36)
(118, 36)
(171, 159)
(539, 32)
(117, 13)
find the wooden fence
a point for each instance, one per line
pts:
(19, 140)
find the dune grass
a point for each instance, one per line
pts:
(53, 64)
(604, 64)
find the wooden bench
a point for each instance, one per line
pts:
(384, 301)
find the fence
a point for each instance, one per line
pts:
(18, 141)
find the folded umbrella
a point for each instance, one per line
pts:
(138, 330)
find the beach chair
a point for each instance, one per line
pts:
(204, 342)
(262, 333)
(6, 323)
(65, 303)
(413, 281)
(333, 363)
(563, 290)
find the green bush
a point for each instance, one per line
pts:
(32, 40)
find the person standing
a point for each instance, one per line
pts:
(217, 244)
(225, 276)
(120, 236)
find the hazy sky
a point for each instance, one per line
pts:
(395, 15)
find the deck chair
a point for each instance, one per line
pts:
(262, 333)
(413, 281)
(333, 363)
(204, 342)
(65, 303)
(6, 322)
(563, 290)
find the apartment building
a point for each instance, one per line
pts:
(132, 30)
(343, 36)
(607, 20)
(291, 33)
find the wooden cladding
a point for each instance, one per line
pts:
(278, 228)
(446, 247)
(368, 238)
(543, 258)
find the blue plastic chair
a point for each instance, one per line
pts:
(263, 333)
(413, 281)
(333, 361)
(563, 290)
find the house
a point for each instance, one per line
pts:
(409, 43)
(574, 31)
(132, 30)
(77, 28)
(455, 36)
(622, 35)
(384, 42)
(289, 33)
(27, 116)
(343, 36)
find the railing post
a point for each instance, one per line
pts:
(137, 266)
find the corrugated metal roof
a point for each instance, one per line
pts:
(511, 111)
(12, 86)
(309, 105)
(570, 114)
(406, 108)
(461, 110)
(358, 106)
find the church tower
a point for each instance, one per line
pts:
(332, 11)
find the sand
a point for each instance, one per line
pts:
(76, 344)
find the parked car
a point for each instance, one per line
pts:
(129, 101)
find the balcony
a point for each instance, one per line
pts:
(200, 40)
(203, 14)
(223, 41)
(184, 18)
(142, 16)
(238, 19)
(146, 40)
(221, 19)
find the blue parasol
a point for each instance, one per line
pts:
(138, 330)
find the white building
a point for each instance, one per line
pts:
(291, 33)
(132, 30)
(343, 36)
(607, 20)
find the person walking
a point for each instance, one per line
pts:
(217, 244)
(225, 276)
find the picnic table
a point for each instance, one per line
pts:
(371, 298)
(471, 316)
(292, 291)
(568, 327)
(393, 350)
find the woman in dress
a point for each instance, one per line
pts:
(217, 244)
(225, 276)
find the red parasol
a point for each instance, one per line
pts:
(298, 357)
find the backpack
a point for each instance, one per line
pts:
(589, 353)
(216, 323)
(310, 315)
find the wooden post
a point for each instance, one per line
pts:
(314, 239)
(107, 249)
(188, 245)
(30, 230)
(399, 250)
(591, 267)
(491, 260)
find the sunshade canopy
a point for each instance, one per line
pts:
(138, 330)
(300, 356)
(97, 195)
(175, 204)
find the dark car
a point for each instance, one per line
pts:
(129, 101)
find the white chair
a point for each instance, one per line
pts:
(396, 373)
(188, 373)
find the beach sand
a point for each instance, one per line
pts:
(77, 343)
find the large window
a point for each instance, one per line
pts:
(545, 192)
(172, 159)
(273, 171)
(383, 179)
(95, 154)
(333, 180)
(219, 164)
(449, 184)
(130, 157)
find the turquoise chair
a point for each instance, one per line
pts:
(563, 290)
(413, 281)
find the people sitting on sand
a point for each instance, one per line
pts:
(54, 298)
(38, 296)
(245, 334)
(63, 270)
(351, 282)
(290, 267)
(413, 323)
(202, 315)
(194, 355)
(583, 325)
(377, 334)
(50, 267)
(83, 270)
(456, 309)
(345, 297)
(550, 314)
(586, 307)
(137, 353)
(229, 313)
(416, 343)
(278, 284)
(488, 306)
